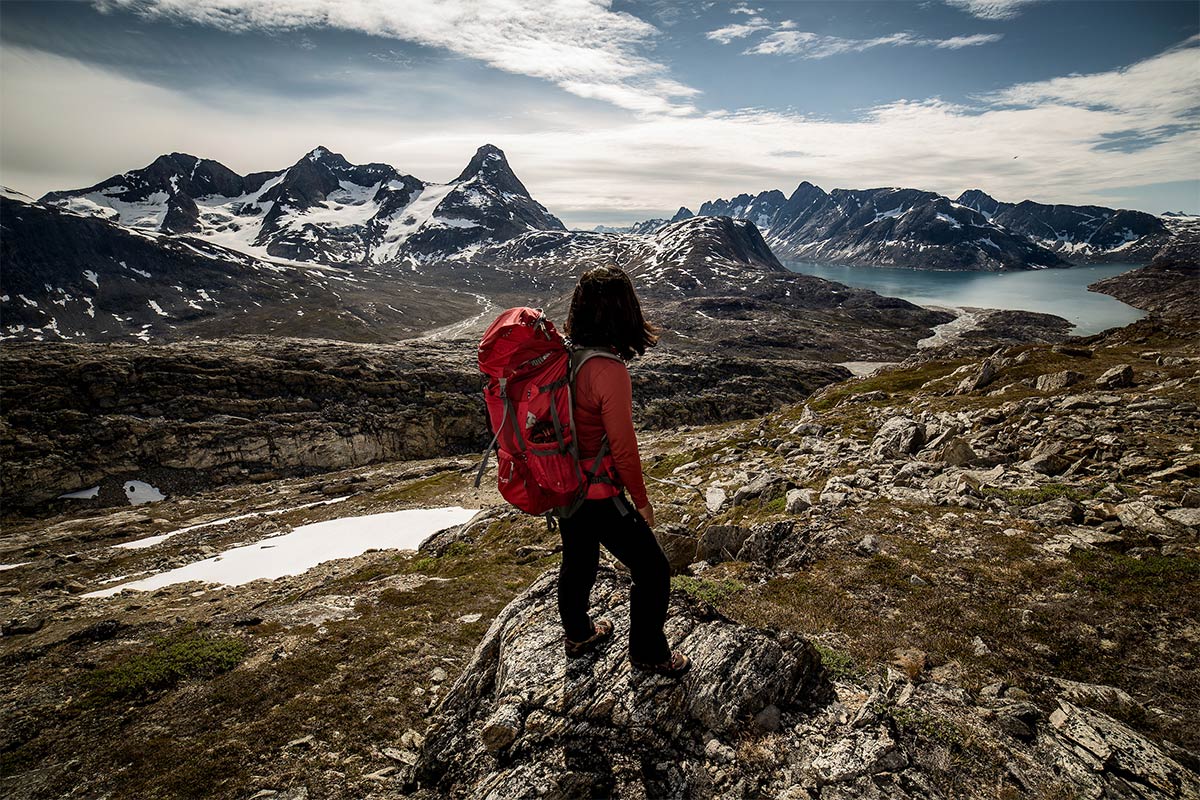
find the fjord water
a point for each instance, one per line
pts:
(1052, 291)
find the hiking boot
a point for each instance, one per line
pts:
(602, 631)
(674, 667)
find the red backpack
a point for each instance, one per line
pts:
(530, 397)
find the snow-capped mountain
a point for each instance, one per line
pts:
(1081, 231)
(881, 227)
(702, 254)
(321, 209)
(924, 230)
(71, 276)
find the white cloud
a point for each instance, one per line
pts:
(582, 46)
(991, 9)
(807, 44)
(956, 42)
(592, 164)
(738, 30)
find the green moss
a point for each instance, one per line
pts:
(920, 723)
(839, 665)
(1040, 494)
(713, 592)
(168, 662)
(1135, 578)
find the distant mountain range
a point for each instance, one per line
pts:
(188, 248)
(924, 230)
(322, 208)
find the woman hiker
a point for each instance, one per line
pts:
(605, 313)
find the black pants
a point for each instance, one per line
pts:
(628, 537)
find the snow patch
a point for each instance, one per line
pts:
(305, 547)
(82, 494)
(140, 492)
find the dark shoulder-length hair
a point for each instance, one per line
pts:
(605, 312)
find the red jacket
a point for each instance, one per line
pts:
(604, 404)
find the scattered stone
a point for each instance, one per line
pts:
(403, 756)
(469, 618)
(1140, 517)
(714, 499)
(303, 741)
(1080, 539)
(763, 486)
(1188, 517)
(22, 626)
(799, 500)
(1070, 350)
(982, 377)
(868, 545)
(898, 437)
(438, 675)
(380, 774)
(1057, 381)
(1052, 513)
(1118, 377)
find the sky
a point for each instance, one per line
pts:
(612, 111)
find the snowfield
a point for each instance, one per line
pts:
(306, 547)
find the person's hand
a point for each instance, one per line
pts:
(647, 512)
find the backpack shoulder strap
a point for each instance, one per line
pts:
(581, 355)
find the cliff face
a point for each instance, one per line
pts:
(187, 416)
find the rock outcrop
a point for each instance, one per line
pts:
(524, 721)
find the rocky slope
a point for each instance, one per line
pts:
(963, 577)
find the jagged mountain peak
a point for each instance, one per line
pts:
(683, 213)
(326, 157)
(490, 165)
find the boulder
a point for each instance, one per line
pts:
(1188, 517)
(1057, 381)
(1118, 377)
(770, 543)
(955, 452)
(764, 485)
(721, 542)
(679, 544)
(714, 499)
(898, 437)
(1059, 511)
(980, 378)
(523, 721)
(1048, 458)
(1140, 517)
(800, 500)
(1125, 764)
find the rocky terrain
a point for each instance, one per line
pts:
(965, 576)
(192, 415)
